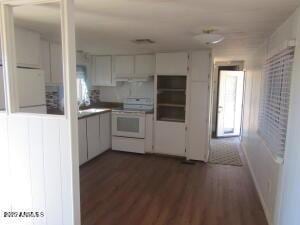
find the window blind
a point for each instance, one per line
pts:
(274, 106)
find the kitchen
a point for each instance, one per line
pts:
(129, 102)
(141, 101)
(146, 103)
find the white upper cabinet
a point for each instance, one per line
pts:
(144, 65)
(172, 63)
(56, 63)
(102, 74)
(123, 66)
(45, 59)
(200, 66)
(27, 48)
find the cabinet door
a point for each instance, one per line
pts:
(123, 66)
(200, 66)
(198, 121)
(45, 59)
(1, 53)
(102, 71)
(144, 65)
(82, 141)
(149, 133)
(27, 48)
(2, 93)
(56, 63)
(169, 138)
(105, 131)
(172, 63)
(93, 136)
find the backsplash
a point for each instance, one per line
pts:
(52, 97)
(94, 96)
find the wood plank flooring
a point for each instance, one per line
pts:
(129, 189)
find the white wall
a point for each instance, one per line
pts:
(124, 90)
(289, 213)
(35, 168)
(266, 171)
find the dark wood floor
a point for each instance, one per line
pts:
(128, 189)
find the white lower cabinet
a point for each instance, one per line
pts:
(169, 138)
(149, 133)
(105, 132)
(94, 136)
(82, 139)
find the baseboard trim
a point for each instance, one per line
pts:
(267, 213)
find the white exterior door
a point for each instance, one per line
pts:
(231, 87)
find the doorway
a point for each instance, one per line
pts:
(230, 102)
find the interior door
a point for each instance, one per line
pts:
(231, 85)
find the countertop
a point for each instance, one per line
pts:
(91, 112)
(94, 109)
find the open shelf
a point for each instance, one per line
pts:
(171, 120)
(171, 98)
(171, 90)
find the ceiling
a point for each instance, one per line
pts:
(109, 26)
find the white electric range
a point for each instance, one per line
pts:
(128, 125)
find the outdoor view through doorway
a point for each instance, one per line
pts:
(230, 102)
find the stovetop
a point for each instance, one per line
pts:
(141, 105)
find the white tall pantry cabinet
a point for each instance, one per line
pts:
(170, 103)
(182, 90)
(200, 67)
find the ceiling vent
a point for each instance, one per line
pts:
(143, 41)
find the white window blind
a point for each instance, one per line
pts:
(274, 106)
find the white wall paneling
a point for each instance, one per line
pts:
(39, 153)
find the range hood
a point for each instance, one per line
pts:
(134, 79)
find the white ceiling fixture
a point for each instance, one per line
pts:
(208, 37)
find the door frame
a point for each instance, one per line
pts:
(238, 66)
(69, 80)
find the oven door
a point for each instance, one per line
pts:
(126, 124)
